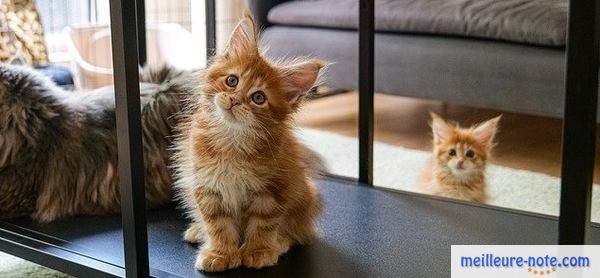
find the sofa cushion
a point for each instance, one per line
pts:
(541, 22)
(481, 73)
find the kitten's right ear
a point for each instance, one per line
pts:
(299, 78)
(486, 131)
(244, 37)
(441, 129)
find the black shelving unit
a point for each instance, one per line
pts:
(360, 223)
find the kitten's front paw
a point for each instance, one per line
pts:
(259, 258)
(210, 261)
(194, 233)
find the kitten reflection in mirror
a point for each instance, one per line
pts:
(457, 167)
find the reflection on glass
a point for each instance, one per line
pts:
(518, 169)
(458, 162)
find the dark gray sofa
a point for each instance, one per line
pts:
(500, 54)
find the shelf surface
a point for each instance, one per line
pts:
(365, 232)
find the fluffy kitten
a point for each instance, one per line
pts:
(241, 173)
(58, 150)
(457, 169)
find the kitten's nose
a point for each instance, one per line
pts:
(460, 163)
(234, 101)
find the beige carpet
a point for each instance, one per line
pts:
(11, 267)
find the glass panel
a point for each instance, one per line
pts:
(57, 170)
(467, 82)
(328, 125)
(327, 121)
(78, 40)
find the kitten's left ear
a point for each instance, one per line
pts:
(486, 131)
(244, 37)
(299, 78)
(441, 129)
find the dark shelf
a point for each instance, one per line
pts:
(364, 232)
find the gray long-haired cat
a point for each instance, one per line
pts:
(58, 150)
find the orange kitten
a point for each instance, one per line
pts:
(457, 169)
(241, 173)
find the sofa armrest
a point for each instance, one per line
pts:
(260, 10)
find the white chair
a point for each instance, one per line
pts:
(91, 46)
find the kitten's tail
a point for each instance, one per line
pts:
(314, 162)
(158, 74)
(164, 93)
(169, 78)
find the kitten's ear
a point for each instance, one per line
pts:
(244, 37)
(299, 78)
(486, 131)
(441, 129)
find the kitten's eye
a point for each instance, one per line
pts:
(470, 154)
(231, 81)
(259, 97)
(452, 152)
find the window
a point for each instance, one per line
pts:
(58, 14)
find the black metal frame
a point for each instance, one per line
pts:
(141, 30)
(47, 251)
(211, 27)
(366, 77)
(128, 28)
(124, 29)
(579, 130)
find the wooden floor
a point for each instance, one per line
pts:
(524, 141)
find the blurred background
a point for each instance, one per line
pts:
(74, 35)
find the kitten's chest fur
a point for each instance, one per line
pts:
(229, 168)
(440, 182)
(231, 178)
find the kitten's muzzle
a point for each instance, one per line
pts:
(233, 101)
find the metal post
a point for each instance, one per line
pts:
(211, 34)
(366, 36)
(141, 31)
(579, 130)
(129, 136)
